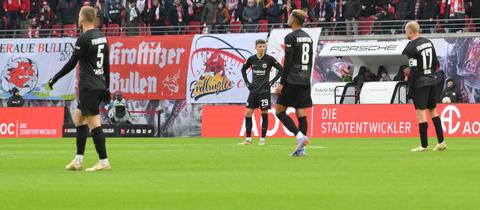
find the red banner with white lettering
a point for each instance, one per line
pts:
(41, 122)
(347, 121)
(149, 67)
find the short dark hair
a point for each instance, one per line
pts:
(260, 41)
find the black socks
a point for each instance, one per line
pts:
(264, 125)
(248, 126)
(82, 132)
(288, 122)
(302, 125)
(438, 128)
(423, 127)
(99, 141)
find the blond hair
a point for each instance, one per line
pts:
(88, 13)
(413, 27)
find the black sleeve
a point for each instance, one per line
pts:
(106, 66)
(279, 68)
(289, 45)
(70, 65)
(412, 64)
(245, 66)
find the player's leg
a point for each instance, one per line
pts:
(286, 120)
(437, 122)
(82, 132)
(302, 120)
(95, 125)
(420, 100)
(248, 126)
(264, 126)
(265, 105)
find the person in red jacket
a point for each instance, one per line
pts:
(13, 9)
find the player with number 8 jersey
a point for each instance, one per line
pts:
(294, 88)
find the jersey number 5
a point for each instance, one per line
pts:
(100, 56)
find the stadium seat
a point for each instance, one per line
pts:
(236, 27)
(194, 27)
(365, 25)
(263, 26)
(113, 30)
(56, 31)
(70, 30)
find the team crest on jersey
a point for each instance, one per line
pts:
(215, 68)
(20, 73)
(264, 65)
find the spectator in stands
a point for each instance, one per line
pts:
(452, 92)
(382, 74)
(452, 9)
(33, 9)
(118, 110)
(13, 10)
(208, 14)
(403, 74)
(189, 7)
(404, 11)
(66, 11)
(34, 29)
(232, 7)
(251, 15)
(353, 9)
(46, 19)
(113, 9)
(288, 7)
(475, 13)
(132, 18)
(322, 12)
(100, 7)
(381, 27)
(338, 18)
(368, 8)
(222, 18)
(198, 9)
(382, 3)
(16, 100)
(364, 75)
(175, 13)
(428, 13)
(157, 17)
(274, 12)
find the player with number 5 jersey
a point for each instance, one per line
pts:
(294, 88)
(91, 52)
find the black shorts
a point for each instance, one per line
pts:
(264, 101)
(425, 97)
(296, 96)
(89, 101)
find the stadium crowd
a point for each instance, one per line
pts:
(215, 16)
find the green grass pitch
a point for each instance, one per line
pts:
(196, 173)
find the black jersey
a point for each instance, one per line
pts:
(91, 52)
(422, 60)
(298, 58)
(261, 68)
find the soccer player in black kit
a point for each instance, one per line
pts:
(91, 51)
(294, 88)
(259, 96)
(423, 62)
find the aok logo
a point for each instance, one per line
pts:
(450, 118)
(7, 129)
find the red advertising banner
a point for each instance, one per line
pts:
(41, 122)
(150, 67)
(348, 121)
